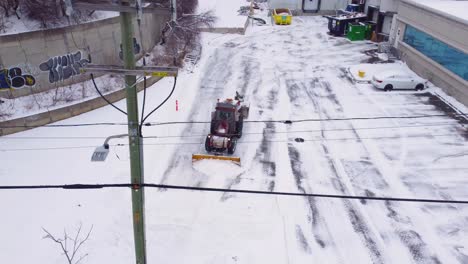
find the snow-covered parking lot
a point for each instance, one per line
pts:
(417, 148)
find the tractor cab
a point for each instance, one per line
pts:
(224, 118)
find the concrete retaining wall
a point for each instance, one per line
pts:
(29, 122)
(101, 39)
(220, 30)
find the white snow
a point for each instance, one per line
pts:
(58, 97)
(450, 7)
(225, 11)
(371, 69)
(289, 72)
(13, 25)
(217, 168)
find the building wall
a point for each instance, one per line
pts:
(449, 82)
(452, 32)
(101, 39)
(372, 3)
(443, 28)
(291, 4)
(327, 5)
(389, 5)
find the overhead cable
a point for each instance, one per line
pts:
(249, 133)
(103, 97)
(240, 142)
(245, 121)
(224, 190)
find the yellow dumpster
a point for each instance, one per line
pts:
(282, 16)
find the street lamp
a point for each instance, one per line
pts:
(101, 152)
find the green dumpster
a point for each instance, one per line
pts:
(356, 31)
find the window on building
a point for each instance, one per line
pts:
(452, 59)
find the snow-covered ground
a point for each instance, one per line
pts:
(286, 72)
(225, 11)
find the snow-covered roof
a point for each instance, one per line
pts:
(453, 9)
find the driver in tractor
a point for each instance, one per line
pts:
(223, 127)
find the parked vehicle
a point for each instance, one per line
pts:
(390, 80)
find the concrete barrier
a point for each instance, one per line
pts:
(30, 51)
(29, 122)
(226, 30)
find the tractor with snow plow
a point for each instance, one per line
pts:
(227, 122)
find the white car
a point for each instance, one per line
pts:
(390, 80)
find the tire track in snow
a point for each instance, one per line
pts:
(211, 88)
(408, 236)
(310, 91)
(250, 88)
(315, 219)
(418, 249)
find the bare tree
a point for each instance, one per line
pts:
(9, 7)
(182, 36)
(52, 12)
(70, 245)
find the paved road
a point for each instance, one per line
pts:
(297, 73)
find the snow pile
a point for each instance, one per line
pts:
(371, 69)
(217, 168)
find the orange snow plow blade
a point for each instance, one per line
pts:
(196, 157)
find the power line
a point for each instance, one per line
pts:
(69, 125)
(246, 121)
(307, 140)
(157, 107)
(287, 121)
(252, 133)
(105, 99)
(48, 148)
(239, 142)
(223, 190)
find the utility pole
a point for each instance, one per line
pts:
(129, 69)
(135, 141)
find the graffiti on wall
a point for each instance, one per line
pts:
(13, 78)
(63, 67)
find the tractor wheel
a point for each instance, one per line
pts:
(207, 144)
(232, 146)
(240, 126)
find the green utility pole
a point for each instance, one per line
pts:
(135, 141)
